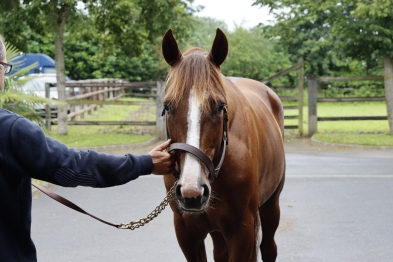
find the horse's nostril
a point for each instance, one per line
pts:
(178, 193)
(206, 193)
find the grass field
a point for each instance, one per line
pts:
(85, 136)
(356, 139)
(349, 132)
(344, 132)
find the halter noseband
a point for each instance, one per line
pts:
(213, 171)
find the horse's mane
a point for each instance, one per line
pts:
(194, 70)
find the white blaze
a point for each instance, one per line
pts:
(191, 172)
(194, 120)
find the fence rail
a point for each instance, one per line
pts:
(351, 118)
(90, 83)
(109, 102)
(296, 66)
(351, 99)
(111, 123)
(350, 78)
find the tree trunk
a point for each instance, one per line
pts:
(388, 65)
(60, 68)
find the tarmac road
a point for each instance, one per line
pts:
(337, 205)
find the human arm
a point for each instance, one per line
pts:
(47, 159)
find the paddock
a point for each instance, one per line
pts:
(336, 206)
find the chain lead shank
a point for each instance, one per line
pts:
(143, 221)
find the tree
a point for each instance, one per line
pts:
(204, 32)
(360, 29)
(85, 59)
(122, 23)
(251, 55)
(365, 29)
(303, 34)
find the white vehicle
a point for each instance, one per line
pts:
(37, 86)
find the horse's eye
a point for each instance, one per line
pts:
(220, 107)
(166, 109)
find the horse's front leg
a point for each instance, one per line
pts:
(220, 250)
(191, 240)
(241, 240)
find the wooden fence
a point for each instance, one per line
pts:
(313, 100)
(99, 92)
(298, 98)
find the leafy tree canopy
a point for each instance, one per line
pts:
(251, 55)
(360, 29)
(102, 38)
(85, 57)
(124, 24)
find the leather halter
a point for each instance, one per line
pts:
(213, 171)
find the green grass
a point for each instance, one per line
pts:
(356, 139)
(353, 109)
(349, 132)
(85, 136)
(343, 132)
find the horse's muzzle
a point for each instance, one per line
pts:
(193, 204)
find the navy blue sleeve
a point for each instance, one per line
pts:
(52, 161)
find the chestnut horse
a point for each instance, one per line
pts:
(205, 111)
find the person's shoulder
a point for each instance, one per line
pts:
(8, 118)
(7, 112)
(4, 113)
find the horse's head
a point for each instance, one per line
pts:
(195, 106)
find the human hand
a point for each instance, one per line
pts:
(163, 162)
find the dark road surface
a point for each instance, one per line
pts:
(337, 205)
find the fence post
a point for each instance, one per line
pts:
(90, 89)
(82, 106)
(111, 91)
(96, 97)
(301, 90)
(72, 107)
(388, 83)
(160, 121)
(312, 104)
(47, 108)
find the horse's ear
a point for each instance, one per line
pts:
(219, 49)
(170, 50)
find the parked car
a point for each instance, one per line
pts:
(37, 86)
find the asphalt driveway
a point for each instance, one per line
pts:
(337, 205)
